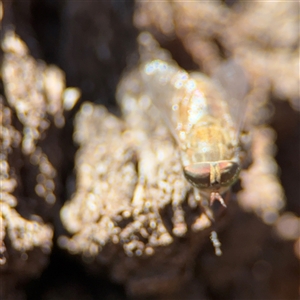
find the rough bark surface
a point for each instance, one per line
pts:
(93, 203)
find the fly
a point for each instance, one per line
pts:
(204, 120)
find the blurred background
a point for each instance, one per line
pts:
(89, 45)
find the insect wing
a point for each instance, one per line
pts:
(165, 85)
(232, 78)
(183, 99)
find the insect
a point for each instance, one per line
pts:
(204, 120)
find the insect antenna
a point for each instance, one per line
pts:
(216, 196)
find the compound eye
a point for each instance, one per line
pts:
(229, 172)
(198, 174)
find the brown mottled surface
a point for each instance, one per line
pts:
(119, 225)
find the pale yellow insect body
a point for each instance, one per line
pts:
(199, 117)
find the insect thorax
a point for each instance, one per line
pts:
(208, 142)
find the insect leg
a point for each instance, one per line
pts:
(216, 243)
(178, 197)
(206, 218)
